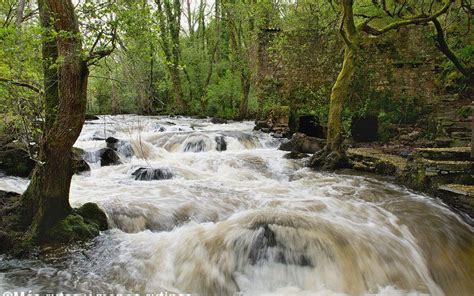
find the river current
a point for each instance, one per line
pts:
(243, 219)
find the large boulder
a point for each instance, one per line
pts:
(303, 144)
(149, 174)
(365, 129)
(92, 214)
(310, 126)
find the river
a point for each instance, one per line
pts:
(243, 220)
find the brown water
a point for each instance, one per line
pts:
(245, 220)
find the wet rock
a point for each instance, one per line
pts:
(123, 147)
(112, 143)
(329, 160)
(92, 214)
(376, 161)
(310, 126)
(195, 146)
(148, 174)
(71, 229)
(91, 117)
(216, 120)
(295, 155)
(266, 239)
(78, 161)
(303, 144)
(365, 129)
(108, 157)
(221, 143)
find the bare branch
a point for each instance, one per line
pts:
(419, 19)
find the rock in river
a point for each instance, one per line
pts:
(149, 174)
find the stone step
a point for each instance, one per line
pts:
(447, 167)
(459, 196)
(456, 130)
(450, 154)
(460, 189)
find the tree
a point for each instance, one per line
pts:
(169, 14)
(46, 200)
(397, 16)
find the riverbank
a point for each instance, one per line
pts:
(445, 173)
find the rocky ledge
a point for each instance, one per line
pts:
(447, 173)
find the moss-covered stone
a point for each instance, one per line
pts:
(78, 162)
(374, 160)
(70, 229)
(93, 214)
(84, 223)
(448, 153)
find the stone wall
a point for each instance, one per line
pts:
(401, 70)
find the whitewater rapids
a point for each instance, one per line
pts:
(243, 220)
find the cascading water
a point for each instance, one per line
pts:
(215, 209)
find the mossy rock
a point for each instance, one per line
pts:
(78, 162)
(70, 229)
(93, 214)
(15, 161)
(84, 223)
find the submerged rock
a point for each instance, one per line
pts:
(195, 146)
(221, 143)
(108, 157)
(216, 120)
(148, 174)
(303, 144)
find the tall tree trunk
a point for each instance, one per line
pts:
(169, 18)
(19, 12)
(340, 92)
(333, 156)
(244, 101)
(46, 200)
(341, 89)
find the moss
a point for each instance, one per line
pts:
(83, 224)
(93, 215)
(70, 229)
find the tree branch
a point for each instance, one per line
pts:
(442, 45)
(420, 19)
(22, 84)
